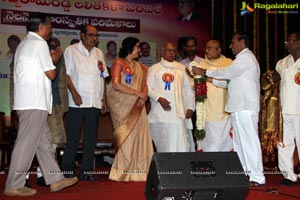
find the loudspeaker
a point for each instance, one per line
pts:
(196, 176)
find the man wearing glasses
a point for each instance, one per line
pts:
(289, 70)
(86, 71)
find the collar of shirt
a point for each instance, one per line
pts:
(35, 35)
(241, 52)
(84, 50)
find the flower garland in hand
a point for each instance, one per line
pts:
(201, 96)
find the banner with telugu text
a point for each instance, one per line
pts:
(154, 21)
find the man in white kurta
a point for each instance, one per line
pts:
(289, 70)
(217, 126)
(191, 48)
(243, 105)
(172, 101)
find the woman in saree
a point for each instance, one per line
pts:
(126, 101)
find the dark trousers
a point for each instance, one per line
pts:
(75, 118)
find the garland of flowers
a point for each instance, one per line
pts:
(200, 97)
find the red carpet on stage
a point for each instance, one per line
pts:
(110, 190)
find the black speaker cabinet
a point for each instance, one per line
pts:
(196, 176)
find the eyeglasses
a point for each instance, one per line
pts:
(291, 41)
(92, 35)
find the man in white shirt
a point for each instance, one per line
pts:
(33, 73)
(243, 105)
(172, 101)
(86, 71)
(289, 70)
(191, 49)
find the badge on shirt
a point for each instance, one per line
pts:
(101, 68)
(297, 78)
(129, 72)
(168, 78)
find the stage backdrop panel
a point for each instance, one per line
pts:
(153, 21)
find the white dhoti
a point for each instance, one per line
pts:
(291, 135)
(217, 137)
(169, 137)
(247, 145)
(189, 135)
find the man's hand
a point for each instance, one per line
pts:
(208, 79)
(77, 98)
(104, 108)
(56, 55)
(165, 104)
(198, 71)
(189, 114)
(100, 65)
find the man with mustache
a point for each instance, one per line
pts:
(86, 71)
(191, 49)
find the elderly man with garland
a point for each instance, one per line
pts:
(217, 126)
(172, 101)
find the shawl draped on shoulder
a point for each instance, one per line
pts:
(271, 125)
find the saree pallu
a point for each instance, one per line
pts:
(133, 143)
(270, 123)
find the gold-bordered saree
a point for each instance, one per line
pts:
(133, 143)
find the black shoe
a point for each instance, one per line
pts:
(287, 182)
(27, 184)
(89, 177)
(255, 184)
(41, 182)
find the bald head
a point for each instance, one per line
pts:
(213, 49)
